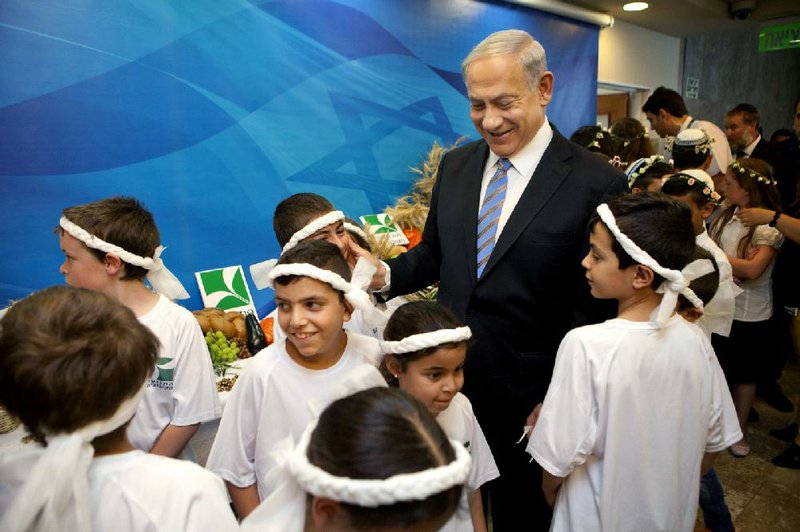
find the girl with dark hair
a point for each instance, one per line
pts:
(375, 460)
(424, 349)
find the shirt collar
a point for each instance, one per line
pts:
(526, 158)
(752, 146)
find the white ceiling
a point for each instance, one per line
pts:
(685, 18)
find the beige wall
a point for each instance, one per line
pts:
(651, 59)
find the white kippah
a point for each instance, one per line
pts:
(700, 175)
(312, 227)
(691, 137)
(162, 280)
(675, 282)
(55, 495)
(417, 342)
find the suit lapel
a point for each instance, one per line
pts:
(547, 178)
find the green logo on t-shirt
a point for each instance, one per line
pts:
(165, 374)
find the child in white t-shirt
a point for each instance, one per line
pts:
(74, 367)
(638, 405)
(111, 246)
(425, 347)
(375, 460)
(288, 383)
(695, 188)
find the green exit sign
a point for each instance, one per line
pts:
(779, 37)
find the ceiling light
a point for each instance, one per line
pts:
(635, 6)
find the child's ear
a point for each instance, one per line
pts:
(643, 276)
(393, 365)
(324, 512)
(348, 310)
(113, 264)
(635, 190)
(706, 210)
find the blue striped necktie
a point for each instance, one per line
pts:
(490, 213)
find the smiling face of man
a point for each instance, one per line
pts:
(503, 108)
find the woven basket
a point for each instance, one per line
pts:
(7, 421)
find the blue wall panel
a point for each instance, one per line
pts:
(212, 111)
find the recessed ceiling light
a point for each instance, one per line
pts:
(635, 6)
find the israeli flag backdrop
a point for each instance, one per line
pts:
(212, 111)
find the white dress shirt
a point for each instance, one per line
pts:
(523, 164)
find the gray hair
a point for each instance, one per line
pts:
(528, 50)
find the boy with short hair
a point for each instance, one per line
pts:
(695, 188)
(308, 216)
(691, 148)
(289, 382)
(73, 366)
(111, 246)
(635, 401)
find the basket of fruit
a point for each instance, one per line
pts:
(230, 336)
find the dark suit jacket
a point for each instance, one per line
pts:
(784, 168)
(527, 298)
(762, 150)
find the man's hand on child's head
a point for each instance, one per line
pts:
(356, 252)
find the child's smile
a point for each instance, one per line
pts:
(312, 313)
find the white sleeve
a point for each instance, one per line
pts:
(209, 509)
(195, 398)
(232, 454)
(767, 236)
(566, 429)
(723, 424)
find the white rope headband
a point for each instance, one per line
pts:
(417, 342)
(312, 227)
(162, 280)
(354, 291)
(260, 270)
(675, 282)
(357, 230)
(294, 476)
(55, 495)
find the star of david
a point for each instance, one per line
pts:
(356, 153)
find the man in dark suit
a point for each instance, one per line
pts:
(504, 238)
(743, 132)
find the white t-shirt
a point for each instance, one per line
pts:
(182, 390)
(629, 413)
(275, 398)
(138, 492)
(718, 313)
(755, 301)
(459, 423)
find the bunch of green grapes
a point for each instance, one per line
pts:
(223, 352)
